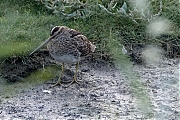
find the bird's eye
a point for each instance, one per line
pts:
(55, 29)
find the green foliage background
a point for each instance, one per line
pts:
(27, 23)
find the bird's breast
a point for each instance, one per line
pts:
(66, 58)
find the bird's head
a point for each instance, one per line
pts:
(54, 30)
(59, 30)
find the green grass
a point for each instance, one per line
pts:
(22, 31)
(10, 89)
(28, 27)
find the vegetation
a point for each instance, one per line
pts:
(27, 26)
(111, 24)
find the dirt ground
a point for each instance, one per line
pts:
(103, 93)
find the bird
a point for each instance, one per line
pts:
(67, 46)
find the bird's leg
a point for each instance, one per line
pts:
(62, 71)
(74, 79)
(60, 77)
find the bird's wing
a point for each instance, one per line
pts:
(82, 44)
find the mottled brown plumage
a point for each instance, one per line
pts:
(67, 46)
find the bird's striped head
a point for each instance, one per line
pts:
(56, 30)
(64, 31)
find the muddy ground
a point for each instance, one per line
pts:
(103, 93)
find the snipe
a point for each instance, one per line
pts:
(67, 46)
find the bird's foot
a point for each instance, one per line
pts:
(73, 81)
(65, 86)
(57, 83)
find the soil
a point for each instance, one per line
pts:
(103, 93)
(162, 81)
(18, 67)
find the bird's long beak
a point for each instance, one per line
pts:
(41, 45)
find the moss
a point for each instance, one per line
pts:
(40, 76)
